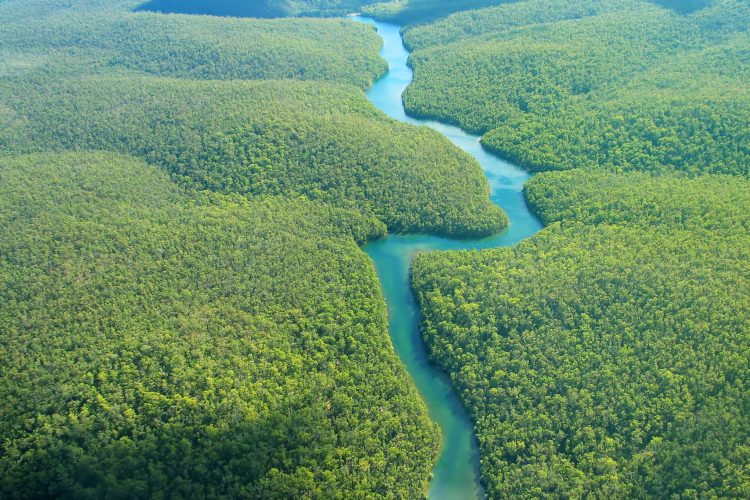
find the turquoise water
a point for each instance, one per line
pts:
(456, 473)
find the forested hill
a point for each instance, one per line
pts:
(608, 354)
(255, 8)
(235, 137)
(272, 137)
(398, 11)
(417, 12)
(420, 11)
(559, 84)
(507, 15)
(161, 343)
(716, 203)
(91, 38)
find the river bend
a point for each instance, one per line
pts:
(456, 473)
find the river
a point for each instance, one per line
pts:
(456, 473)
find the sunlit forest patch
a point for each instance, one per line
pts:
(556, 84)
(608, 354)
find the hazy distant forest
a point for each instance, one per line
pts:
(186, 310)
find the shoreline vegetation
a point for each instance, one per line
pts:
(554, 84)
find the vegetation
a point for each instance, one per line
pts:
(607, 355)
(407, 12)
(257, 8)
(184, 309)
(466, 25)
(196, 47)
(633, 87)
(256, 138)
(158, 343)
(684, 6)
(715, 203)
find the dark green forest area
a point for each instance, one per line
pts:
(608, 355)
(256, 8)
(420, 11)
(405, 12)
(396, 11)
(163, 343)
(558, 84)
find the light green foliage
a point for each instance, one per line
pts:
(607, 355)
(630, 88)
(466, 25)
(283, 138)
(718, 203)
(699, 125)
(219, 48)
(161, 343)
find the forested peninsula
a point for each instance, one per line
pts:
(556, 84)
(607, 354)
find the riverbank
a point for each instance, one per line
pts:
(456, 473)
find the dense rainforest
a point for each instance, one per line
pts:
(256, 8)
(184, 309)
(99, 38)
(98, 89)
(558, 84)
(266, 137)
(396, 11)
(608, 355)
(159, 342)
(414, 13)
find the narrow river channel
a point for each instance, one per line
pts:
(456, 473)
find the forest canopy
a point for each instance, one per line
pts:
(607, 355)
(193, 47)
(254, 138)
(256, 8)
(184, 307)
(558, 84)
(157, 340)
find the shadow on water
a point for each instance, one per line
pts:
(456, 473)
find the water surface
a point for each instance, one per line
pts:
(456, 473)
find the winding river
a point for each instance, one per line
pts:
(456, 473)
